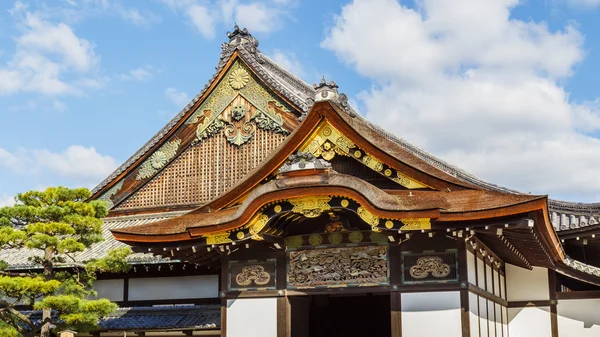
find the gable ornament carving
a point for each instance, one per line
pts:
(239, 126)
(158, 159)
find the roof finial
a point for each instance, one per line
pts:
(239, 36)
(325, 91)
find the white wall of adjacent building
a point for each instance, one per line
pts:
(579, 318)
(164, 288)
(110, 289)
(160, 288)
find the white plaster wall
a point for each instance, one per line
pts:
(529, 322)
(527, 285)
(579, 318)
(473, 315)
(441, 309)
(491, 318)
(483, 317)
(496, 283)
(480, 273)
(498, 320)
(502, 287)
(165, 288)
(504, 321)
(110, 289)
(471, 272)
(489, 276)
(255, 317)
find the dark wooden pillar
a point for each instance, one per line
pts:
(284, 309)
(395, 256)
(463, 279)
(222, 290)
(553, 303)
(396, 313)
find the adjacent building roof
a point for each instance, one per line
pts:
(21, 258)
(157, 318)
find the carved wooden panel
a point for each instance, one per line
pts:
(429, 267)
(204, 171)
(252, 275)
(335, 267)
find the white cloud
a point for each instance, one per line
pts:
(82, 164)
(6, 200)
(203, 20)
(134, 16)
(45, 53)
(59, 105)
(584, 3)
(468, 82)
(179, 98)
(258, 17)
(288, 61)
(139, 74)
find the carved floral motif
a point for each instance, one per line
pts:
(158, 159)
(429, 264)
(238, 78)
(366, 265)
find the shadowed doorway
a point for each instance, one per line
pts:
(341, 316)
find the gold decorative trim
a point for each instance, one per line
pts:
(327, 141)
(310, 207)
(218, 238)
(368, 217)
(256, 225)
(429, 264)
(414, 224)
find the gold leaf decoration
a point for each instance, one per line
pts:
(368, 217)
(414, 224)
(239, 78)
(310, 207)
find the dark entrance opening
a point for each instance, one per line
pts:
(341, 316)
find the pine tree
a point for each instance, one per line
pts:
(56, 224)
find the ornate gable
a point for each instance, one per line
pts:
(238, 123)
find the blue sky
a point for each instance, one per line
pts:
(504, 89)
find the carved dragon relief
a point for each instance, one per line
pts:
(327, 141)
(335, 267)
(239, 126)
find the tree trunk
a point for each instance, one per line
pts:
(48, 275)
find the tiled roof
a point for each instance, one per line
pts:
(163, 318)
(158, 318)
(20, 258)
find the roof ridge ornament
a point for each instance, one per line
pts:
(239, 38)
(304, 161)
(328, 91)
